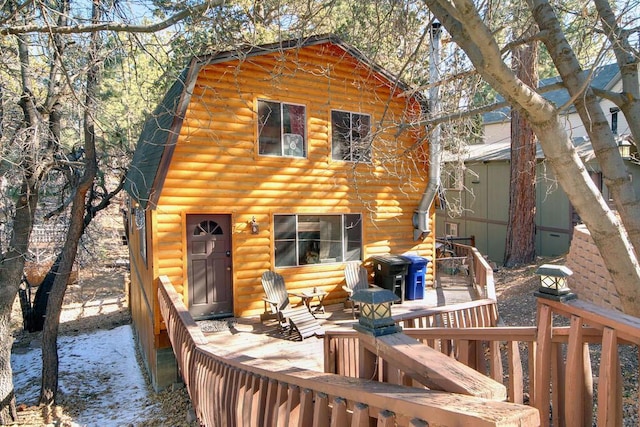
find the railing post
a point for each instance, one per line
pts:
(543, 367)
(609, 396)
(575, 375)
(367, 363)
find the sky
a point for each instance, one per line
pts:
(100, 367)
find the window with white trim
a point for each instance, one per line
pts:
(317, 239)
(350, 139)
(452, 176)
(281, 129)
(451, 229)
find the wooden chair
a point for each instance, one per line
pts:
(278, 306)
(356, 277)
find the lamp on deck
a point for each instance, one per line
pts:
(553, 282)
(375, 311)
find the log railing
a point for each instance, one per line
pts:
(556, 375)
(235, 390)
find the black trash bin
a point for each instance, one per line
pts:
(416, 277)
(390, 272)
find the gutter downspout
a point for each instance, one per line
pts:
(421, 215)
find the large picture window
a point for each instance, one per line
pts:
(281, 129)
(350, 136)
(317, 239)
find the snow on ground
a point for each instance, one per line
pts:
(99, 370)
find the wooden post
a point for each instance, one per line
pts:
(515, 373)
(367, 364)
(608, 387)
(575, 374)
(543, 364)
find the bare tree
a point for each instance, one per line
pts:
(616, 235)
(36, 144)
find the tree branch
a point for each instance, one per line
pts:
(113, 26)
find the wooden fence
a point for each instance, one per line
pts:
(234, 390)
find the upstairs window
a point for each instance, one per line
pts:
(317, 239)
(281, 129)
(350, 136)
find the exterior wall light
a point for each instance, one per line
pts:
(553, 282)
(375, 311)
(255, 228)
(624, 147)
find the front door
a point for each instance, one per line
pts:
(209, 264)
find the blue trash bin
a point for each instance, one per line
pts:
(416, 276)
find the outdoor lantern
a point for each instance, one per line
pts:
(375, 311)
(553, 282)
(254, 226)
(624, 147)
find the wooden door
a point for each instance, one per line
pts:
(209, 264)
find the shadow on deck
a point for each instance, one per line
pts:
(250, 337)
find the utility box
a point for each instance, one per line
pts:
(416, 276)
(390, 272)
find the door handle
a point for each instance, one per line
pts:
(228, 253)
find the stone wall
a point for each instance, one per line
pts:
(590, 280)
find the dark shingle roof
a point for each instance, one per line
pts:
(158, 133)
(602, 78)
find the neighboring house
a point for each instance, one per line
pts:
(280, 157)
(479, 196)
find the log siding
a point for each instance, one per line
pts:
(211, 165)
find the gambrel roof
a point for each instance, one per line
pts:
(159, 134)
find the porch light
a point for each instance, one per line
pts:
(255, 228)
(624, 147)
(375, 311)
(553, 282)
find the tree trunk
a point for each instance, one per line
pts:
(77, 225)
(613, 238)
(11, 268)
(12, 261)
(520, 245)
(8, 414)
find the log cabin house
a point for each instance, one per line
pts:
(295, 157)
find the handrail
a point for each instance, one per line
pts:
(572, 382)
(342, 354)
(480, 271)
(235, 390)
(556, 375)
(482, 312)
(480, 348)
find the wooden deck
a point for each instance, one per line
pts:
(249, 337)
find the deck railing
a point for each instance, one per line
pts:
(341, 347)
(234, 390)
(480, 272)
(556, 374)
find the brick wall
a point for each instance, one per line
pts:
(590, 280)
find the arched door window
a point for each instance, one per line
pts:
(207, 227)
